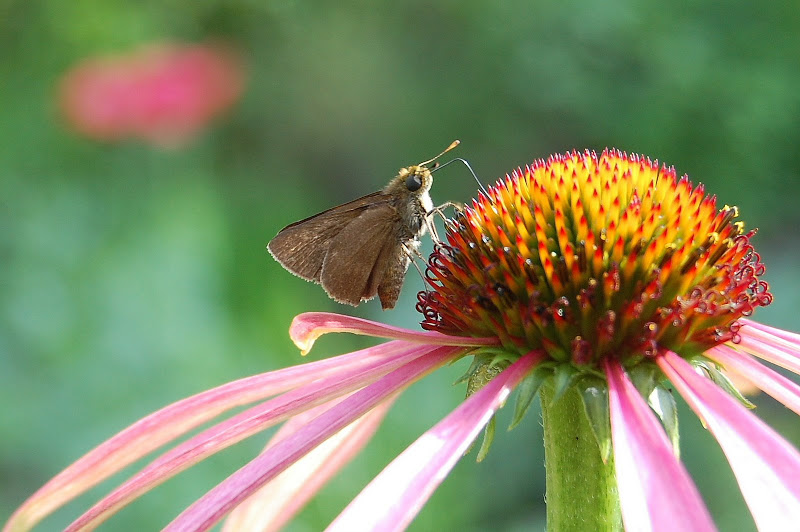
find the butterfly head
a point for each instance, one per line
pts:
(411, 181)
(416, 180)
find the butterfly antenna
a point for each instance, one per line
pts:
(450, 147)
(471, 171)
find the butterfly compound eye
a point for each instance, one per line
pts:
(413, 182)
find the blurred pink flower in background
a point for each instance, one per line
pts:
(163, 94)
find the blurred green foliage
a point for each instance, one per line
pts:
(132, 277)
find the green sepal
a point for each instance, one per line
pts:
(477, 361)
(595, 403)
(644, 377)
(528, 389)
(722, 380)
(663, 403)
(487, 357)
(495, 352)
(563, 376)
(484, 374)
(488, 438)
(480, 359)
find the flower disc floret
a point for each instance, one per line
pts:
(589, 257)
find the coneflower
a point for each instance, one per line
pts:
(599, 283)
(162, 94)
(629, 279)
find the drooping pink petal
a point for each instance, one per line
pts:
(655, 491)
(395, 496)
(225, 496)
(775, 384)
(787, 336)
(306, 328)
(766, 466)
(247, 423)
(277, 502)
(172, 421)
(771, 349)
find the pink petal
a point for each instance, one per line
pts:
(787, 336)
(277, 502)
(247, 423)
(306, 328)
(770, 348)
(225, 496)
(766, 466)
(170, 422)
(775, 384)
(395, 496)
(655, 491)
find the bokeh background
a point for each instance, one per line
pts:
(133, 272)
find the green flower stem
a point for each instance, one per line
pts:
(581, 490)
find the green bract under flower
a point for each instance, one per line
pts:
(589, 257)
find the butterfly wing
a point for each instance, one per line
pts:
(360, 255)
(301, 247)
(395, 273)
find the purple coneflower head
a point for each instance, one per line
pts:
(595, 282)
(622, 273)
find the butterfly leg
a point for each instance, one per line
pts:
(413, 253)
(458, 207)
